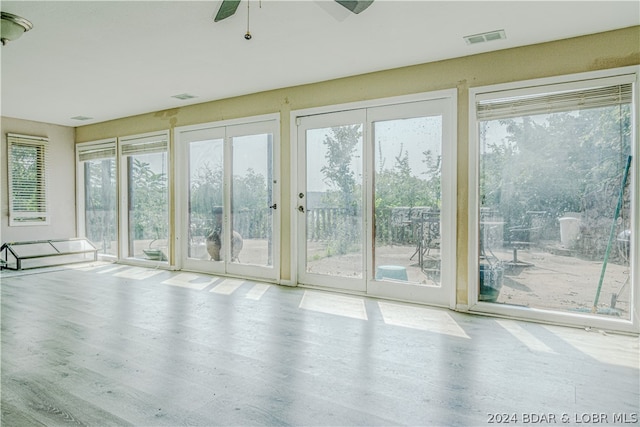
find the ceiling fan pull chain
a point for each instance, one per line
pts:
(247, 36)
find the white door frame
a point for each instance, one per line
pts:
(227, 129)
(446, 295)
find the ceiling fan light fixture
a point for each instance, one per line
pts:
(12, 27)
(355, 6)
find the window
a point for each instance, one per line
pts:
(97, 201)
(555, 220)
(27, 180)
(145, 197)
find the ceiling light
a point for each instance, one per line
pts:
(82, 118)
(485, 37)
(12, 27)
(184, 96)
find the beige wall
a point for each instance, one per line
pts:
(593, 52)
(62, 183)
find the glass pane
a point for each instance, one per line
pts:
(334, 201)
(26, 177)
(205, 199)
(100, 205)
(550, 185)
(33, 249)
(148, 205)
(408, 158)
(251, 198)
(71, 245)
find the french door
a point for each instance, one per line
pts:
(331, 204)
(228, 199)
(375, 200)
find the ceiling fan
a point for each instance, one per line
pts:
(229, 7)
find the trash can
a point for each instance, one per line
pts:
(569, 231)
(491, 277)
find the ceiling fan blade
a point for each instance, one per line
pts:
(354, 5)
(227, 8)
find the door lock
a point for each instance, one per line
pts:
(301, 208)
(274, 206)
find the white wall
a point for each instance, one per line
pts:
(61, 182)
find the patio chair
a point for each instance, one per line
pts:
(521, 236)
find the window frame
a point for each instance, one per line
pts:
(103, 144)
(123, 153)
(42, 216)
(539, 86)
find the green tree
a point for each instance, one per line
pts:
(148, 201)
(206, 193)
(344, 193)
(555, 163)
(100, 202)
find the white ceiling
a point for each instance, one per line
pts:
(112, 59)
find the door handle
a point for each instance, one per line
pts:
(301, 208)
(274, 206)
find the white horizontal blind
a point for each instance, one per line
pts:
(552, 102)
(28, 171)
(157, 144)
(106, 150)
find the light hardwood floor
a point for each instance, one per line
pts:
(115, 345)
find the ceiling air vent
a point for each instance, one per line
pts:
(184, 96)
(485, 37)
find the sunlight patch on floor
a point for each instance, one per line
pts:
(112, 269)
(524, 336)
(422, 318)
(339, 305)
(138, 273)
(84, 267)
(258, 290)
(185, 280)
(621, 350)
(227, 286)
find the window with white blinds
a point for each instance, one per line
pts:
(508, 105)
(27, 170)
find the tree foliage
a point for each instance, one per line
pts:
(148, 201)
(555, 163)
